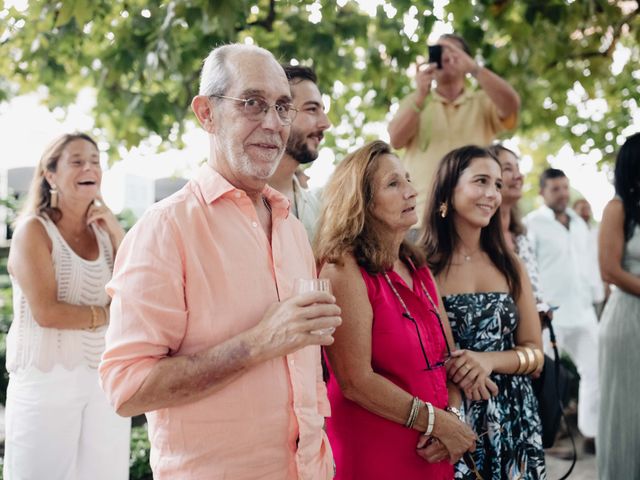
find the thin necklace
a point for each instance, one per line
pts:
(404, 306)
(408, 315)
(424, 290)
(468, 257)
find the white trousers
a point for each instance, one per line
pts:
(581, 344)
(59, 426)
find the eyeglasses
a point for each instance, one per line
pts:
(433, 309)
(255, 108)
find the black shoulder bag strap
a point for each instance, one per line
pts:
(554, 345)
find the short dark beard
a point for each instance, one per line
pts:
(298, 150)
(557, 211)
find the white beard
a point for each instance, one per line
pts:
(242, 162)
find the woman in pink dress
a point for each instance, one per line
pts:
(393, 413)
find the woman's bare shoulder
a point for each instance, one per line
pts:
(344, 274)
(29, 229)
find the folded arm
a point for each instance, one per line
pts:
(350, 358)
(31, 265)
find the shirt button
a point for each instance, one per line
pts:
(292, 363)
(254, 224)
(238, 194)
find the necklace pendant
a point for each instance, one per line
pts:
(467, 258)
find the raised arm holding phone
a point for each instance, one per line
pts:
(431, 121)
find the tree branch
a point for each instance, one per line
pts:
(617, 31)
(267, 22)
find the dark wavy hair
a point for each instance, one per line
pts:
(298, 73)
(627, 182)
(439, 237)
(347, 224)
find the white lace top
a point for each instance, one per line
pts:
(525, 251)
(80, 282)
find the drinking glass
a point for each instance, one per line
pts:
(304, 285)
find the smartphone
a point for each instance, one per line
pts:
(435, 55)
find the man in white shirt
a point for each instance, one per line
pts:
(560, 239)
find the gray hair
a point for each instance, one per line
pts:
(215, 77)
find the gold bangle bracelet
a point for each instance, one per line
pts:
(106, 315)
(521, 360)
(527, 363)
(531, 366)
(539, 358)
(94, 318)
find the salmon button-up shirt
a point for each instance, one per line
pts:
(196, 270)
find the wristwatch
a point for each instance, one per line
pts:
(456, 412)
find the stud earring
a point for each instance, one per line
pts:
(54, 196)
(444, 209)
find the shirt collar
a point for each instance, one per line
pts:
(547, 212)
(214, 186)
(297, 191)
(466, 95)
(280, 204)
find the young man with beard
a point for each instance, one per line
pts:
(206, 336)
(302, 148)
(560, 239)
(434, 120)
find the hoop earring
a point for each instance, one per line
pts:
(54, 196)
(443, 209)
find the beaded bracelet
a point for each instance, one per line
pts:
(413, 413)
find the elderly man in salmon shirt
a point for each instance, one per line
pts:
(206, 337)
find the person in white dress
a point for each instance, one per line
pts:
(59, 425)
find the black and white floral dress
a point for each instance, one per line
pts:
(512, 446)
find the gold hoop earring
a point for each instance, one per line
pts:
(53, 191)
(444, 209)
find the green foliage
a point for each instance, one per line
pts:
(6, 310)
(144, 58)
(139, 468)
(6, 299)
(127, 218)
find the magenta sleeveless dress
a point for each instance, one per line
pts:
(365, 445)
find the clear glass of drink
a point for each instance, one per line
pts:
(304, 285)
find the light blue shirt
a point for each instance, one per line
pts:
(564, 258)
(306, 208)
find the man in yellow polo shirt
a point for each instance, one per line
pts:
(433, 121)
